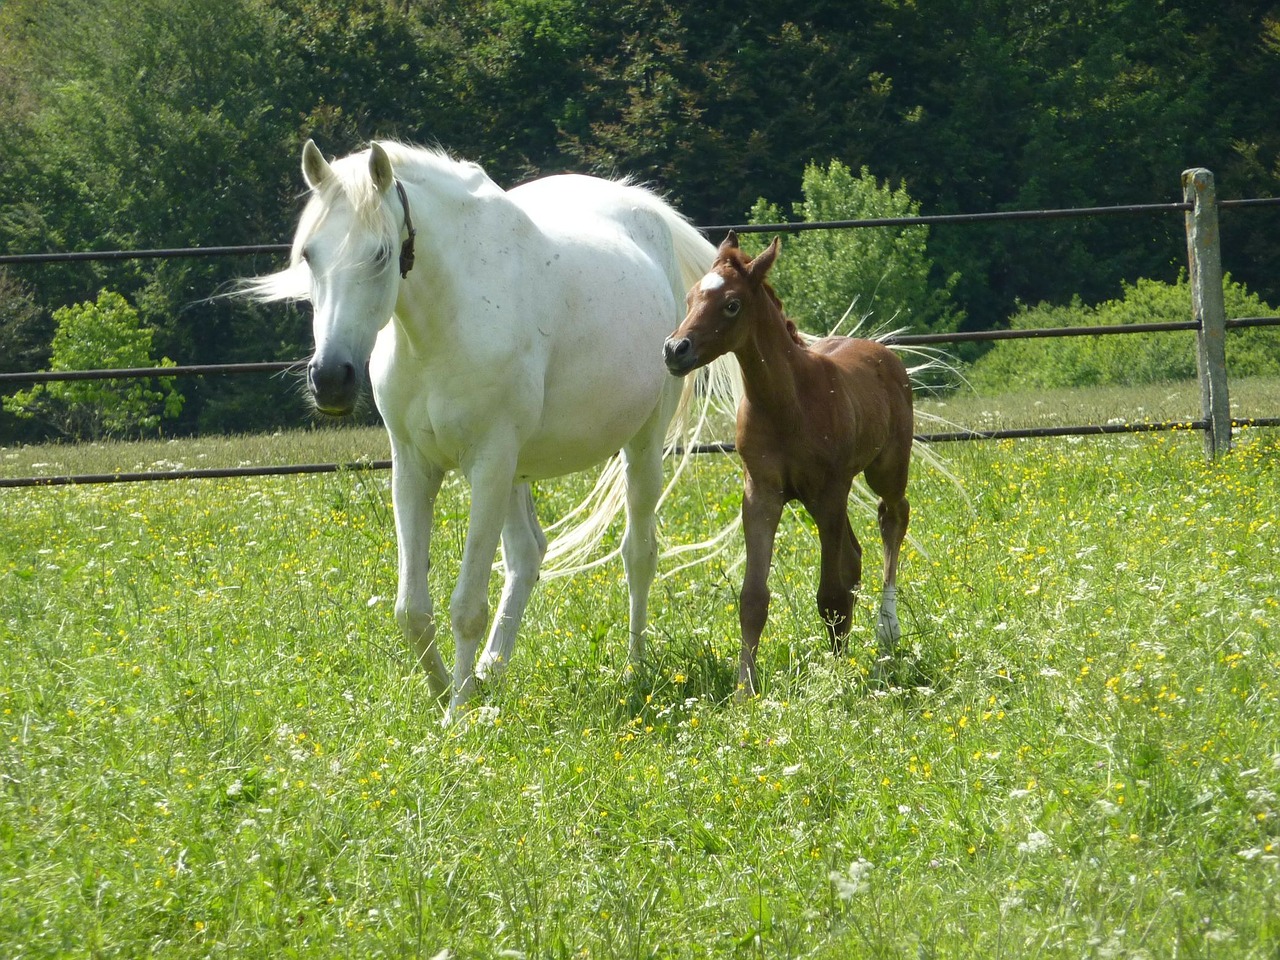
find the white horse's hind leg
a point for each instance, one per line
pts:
(640, 542)
(643, 457)
(523, 547)
(414, 487)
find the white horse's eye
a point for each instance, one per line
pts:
(732, 308)
(383, 254)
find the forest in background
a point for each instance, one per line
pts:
(172, 123)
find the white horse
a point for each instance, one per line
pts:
(526, 343)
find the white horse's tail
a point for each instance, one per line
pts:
(716, 388)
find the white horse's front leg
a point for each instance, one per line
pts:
(523, 547)
(414, 486)
(492, 478)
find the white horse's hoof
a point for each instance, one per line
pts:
(461, 702)
(490, 666)
(454, 713)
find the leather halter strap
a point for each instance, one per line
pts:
(406, 248)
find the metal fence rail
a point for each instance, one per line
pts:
(1199, 207)
(169, 253)
(895, 339)
(722, 447)
(128, 373)
(744, 228)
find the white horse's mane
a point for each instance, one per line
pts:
(352, 185)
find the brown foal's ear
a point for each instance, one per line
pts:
(730, 242)
(759, 268)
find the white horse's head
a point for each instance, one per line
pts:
(349, 242)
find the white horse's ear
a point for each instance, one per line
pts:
(380, 168)
(315, 168)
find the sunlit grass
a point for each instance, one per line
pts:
(320, 443)
(333, 442)
(1249, 397)
(211, 745)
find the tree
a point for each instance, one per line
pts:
(103, 335)
(882, 274)
(23, 331)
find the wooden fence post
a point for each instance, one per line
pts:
(1204, 258)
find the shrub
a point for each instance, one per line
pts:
(884, 273)
(1129, 359)
(91, 336)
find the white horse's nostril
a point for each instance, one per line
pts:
(333, 385)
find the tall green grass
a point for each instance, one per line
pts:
(211, 744)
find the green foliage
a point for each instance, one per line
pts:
(881, 275)
(1126, 359)
(177, 123)
(105, 335)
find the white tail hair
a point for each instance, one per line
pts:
(715, 388)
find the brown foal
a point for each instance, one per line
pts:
(814, 415)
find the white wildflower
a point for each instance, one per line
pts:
(1036, 842)
(852, 881)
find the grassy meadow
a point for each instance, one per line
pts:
(211, 744)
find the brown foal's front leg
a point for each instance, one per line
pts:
(761, 512)
(841, 571)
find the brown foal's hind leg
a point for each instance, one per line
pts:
(894, 516)
(841, 572)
